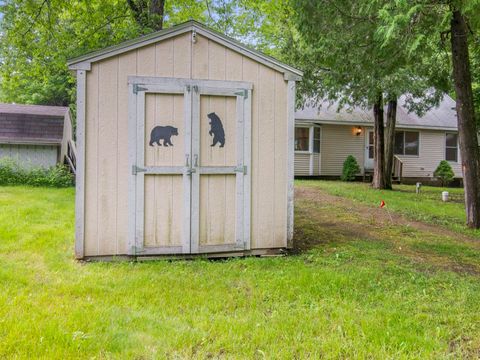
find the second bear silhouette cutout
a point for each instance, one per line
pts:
(216, 129)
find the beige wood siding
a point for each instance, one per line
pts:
(339, 141)
(30, 156)
(106, 171)
(302, 164)
(431, 152)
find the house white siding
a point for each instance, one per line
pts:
(302, 164)
(431, 152)
(339, 141)
(29, 156)
(316, 164)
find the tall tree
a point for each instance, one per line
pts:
(344, 56)
(390, 140)
(467, 126)
(414, 25)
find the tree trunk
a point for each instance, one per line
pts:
(389, 141)
(467, 128)
(148, 13)
(379, 144)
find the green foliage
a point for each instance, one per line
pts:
(350, 168)
(37, 37)
(347, 54)
(444, 172)
(11, 173)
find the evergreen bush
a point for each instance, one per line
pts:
(444, 173)
(350, 168)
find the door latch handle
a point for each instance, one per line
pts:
(187, 160)
(195, 161)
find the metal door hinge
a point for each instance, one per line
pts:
(137, 88)
(241, 169)
(195, 88)
(243, 93)
(136, 170)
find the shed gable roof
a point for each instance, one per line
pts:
(31, 124)
(84, 61)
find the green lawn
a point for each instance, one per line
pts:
(357, 287)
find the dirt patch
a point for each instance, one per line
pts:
(325, 218)
(377, 216)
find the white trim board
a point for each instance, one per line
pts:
(83, 62)
(80, 170)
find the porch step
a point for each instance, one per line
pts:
(367, 175)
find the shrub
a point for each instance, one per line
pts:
(11, 173)
(444, 172)
(350, 168)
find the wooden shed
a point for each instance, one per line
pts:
(185, 146)
(36, 135)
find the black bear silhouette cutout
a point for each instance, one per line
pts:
(216, 129)
(162, 133)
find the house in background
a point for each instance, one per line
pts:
(324, 137)
(36, 135)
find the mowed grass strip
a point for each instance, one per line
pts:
(350, 292)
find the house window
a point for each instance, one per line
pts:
(316, 139)
(302, 138)
(451, 147)
(307, 139)
(406, 143)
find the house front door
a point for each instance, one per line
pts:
(369, 150)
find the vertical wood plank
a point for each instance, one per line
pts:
(182, 56)
(264, 148)
(200, 58)
(127, 66)
(107, 156)
(281, 159)
(91, 158)
(234, 62)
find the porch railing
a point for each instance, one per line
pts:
(397, 168)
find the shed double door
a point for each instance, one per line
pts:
(191, 166)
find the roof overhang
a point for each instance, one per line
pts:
(37, 142)
(362, 123)
(84, 62)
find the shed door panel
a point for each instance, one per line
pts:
(190, 154)
(217, 192)
(164, 205)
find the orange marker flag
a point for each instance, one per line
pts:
(382, 204)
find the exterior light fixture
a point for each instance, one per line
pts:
(358, 131)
